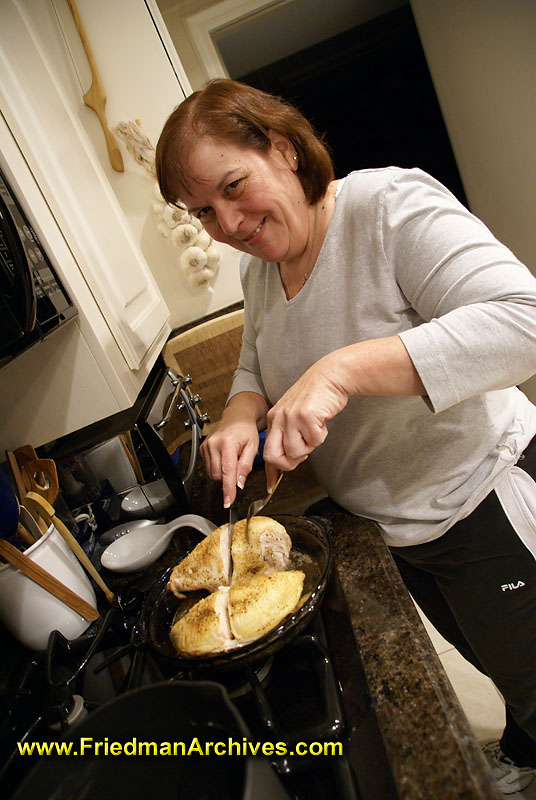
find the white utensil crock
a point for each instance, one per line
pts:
(27, 610)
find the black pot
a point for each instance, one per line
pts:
(189, 712)
(311, 552)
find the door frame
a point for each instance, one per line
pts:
(203, 24)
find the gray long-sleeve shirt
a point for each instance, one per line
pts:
(403, 256)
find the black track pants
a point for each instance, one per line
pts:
(477, 585)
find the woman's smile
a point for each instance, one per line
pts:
(253, 239)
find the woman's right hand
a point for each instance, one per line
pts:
(229, 451)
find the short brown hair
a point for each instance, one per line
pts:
(233, 111)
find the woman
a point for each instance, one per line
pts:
(383, 326)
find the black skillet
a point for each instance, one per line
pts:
(311, 552)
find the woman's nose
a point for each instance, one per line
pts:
(229, 219)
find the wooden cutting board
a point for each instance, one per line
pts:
(209, 353)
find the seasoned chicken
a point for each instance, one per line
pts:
(237, 615)
(206, 567)
(267, 551)
(205, 628)
(258, 604)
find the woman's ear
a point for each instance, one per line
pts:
(285, 147)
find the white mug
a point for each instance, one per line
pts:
(27, 610)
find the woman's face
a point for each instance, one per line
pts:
(250, 200)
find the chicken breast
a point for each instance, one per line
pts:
(206, 567)
(268, 549)
(237, 615)
(205, 628)
(257, 605)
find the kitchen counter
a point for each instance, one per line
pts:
(428, 740)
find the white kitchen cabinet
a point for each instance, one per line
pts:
(42, 118)
(52, 150)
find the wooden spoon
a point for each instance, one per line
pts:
(21, 488)
(47, 581)
(41, 476)
(36, 504)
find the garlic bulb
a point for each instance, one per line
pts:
(193, 259)
(198, 257)
(195, 222)
(201, 278)
(173, 216)
(163, 229)
(213, 257)
(203, 239)
(183, 235)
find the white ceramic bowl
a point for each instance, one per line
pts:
(27, 610)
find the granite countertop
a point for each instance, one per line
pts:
(428, 740)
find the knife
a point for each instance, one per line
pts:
(233, 519)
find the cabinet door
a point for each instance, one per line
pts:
(73, 179)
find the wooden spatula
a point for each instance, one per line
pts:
(95, 98)
(41, 476)
(37, 504)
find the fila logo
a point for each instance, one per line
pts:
(507, 586)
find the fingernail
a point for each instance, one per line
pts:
(240, 482)
(269, 491)
(226, 502)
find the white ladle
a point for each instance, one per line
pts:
(141, 547)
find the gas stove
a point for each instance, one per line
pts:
(311, 691)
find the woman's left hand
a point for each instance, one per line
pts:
(297, 422)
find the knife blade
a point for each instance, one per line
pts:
(233, 519)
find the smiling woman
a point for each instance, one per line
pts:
(383, 324)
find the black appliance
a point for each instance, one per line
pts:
(33, 303)
(164, 428)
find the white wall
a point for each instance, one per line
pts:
(482, 58)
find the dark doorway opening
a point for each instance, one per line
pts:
(369, 92)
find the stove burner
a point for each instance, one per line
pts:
(260, 674)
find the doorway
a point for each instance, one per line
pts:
(368, 90)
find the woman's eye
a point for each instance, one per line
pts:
(233, 185)
(203, 213)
